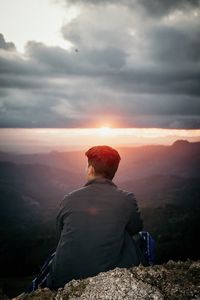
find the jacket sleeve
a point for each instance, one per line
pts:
(135, 222)
(59, 219)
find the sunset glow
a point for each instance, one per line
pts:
(50, 139)
(105, 131)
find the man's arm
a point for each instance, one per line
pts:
(59, 219)
(135, 223)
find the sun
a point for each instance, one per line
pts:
(105, 131)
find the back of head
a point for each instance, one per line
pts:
(104, 159)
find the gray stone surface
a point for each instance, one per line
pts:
(172, 280)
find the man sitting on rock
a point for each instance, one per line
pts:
(95, 224)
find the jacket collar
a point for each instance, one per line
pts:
(100, 180)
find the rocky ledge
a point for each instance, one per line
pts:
(172, 280)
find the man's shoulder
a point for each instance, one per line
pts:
(86, 190)
(78, 191)
(67, 197)
(75, 193)
(127, 196)
(125, 192)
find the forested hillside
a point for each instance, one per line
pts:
(164, 179)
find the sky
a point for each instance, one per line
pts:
(38, 140)
(84, 64)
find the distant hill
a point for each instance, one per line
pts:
(30, 195)
(157, 190)
(164, 179)
(69, 161)
(156, 174)
(41, 183)
(15, 171)
(182, 158)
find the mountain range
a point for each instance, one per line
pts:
(164, 179)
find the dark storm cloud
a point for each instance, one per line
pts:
(22, 82)
(161, 105)
(163, 7)
(120, 68)
(11, 63)
(152, 7)
(156, 81)
(6, 45)
(175, 46)
(85, 62)
(73, 103)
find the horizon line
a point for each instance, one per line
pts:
(110, 127)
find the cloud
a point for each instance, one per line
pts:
(154, 8)
(6, 45)
(162, 7)
(86, 61)
(128, 71)
(176, 46)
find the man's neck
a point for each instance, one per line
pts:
(97, 177)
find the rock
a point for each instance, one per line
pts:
(2, 296)
(172, 280)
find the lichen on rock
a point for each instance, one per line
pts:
(172, 280)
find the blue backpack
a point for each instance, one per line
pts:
(148, 247)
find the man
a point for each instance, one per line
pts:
(95, 224)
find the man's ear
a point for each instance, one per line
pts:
(91, 170)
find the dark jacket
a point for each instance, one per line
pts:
(95, 225)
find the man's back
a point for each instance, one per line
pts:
(94, 228)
